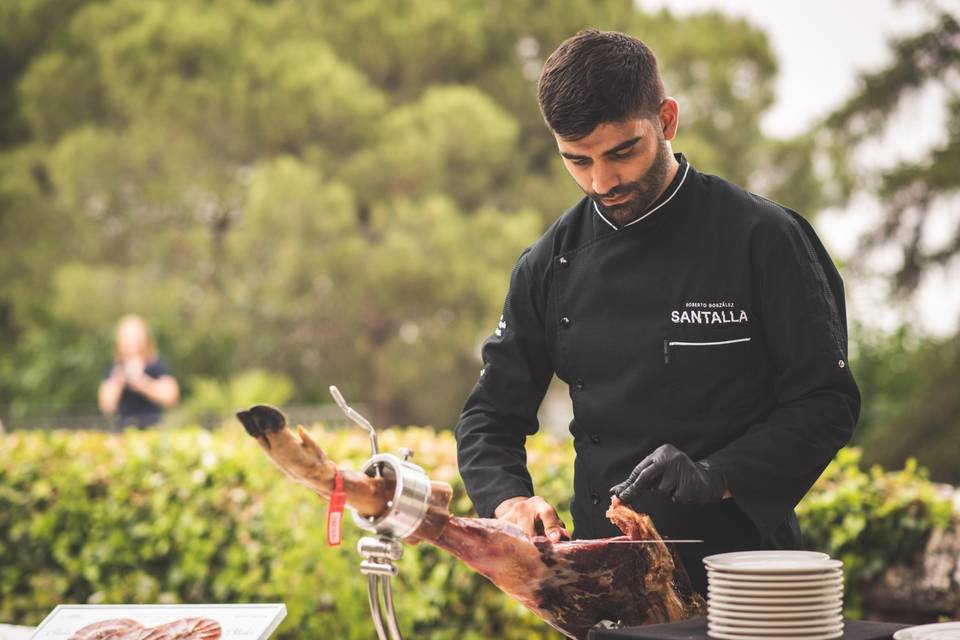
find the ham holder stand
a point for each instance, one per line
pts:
(572, 585)
(404, 514)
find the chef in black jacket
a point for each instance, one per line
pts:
(700, 327)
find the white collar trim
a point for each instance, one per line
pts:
(669, 198)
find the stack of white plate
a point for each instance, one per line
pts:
(774, 594)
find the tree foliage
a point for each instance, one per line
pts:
(911, 406)
(912, 409)
(332, 191)
(911, 190)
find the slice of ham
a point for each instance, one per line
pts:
(108, 630)
(572, 585)
(184, 629)
(127, 629)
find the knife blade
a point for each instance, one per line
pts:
(635, 541)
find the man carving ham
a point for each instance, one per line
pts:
(716, 428)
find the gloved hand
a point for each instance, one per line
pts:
(669, 472)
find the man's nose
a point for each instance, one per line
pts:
(604, 179)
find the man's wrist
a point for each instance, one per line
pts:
(717, 481)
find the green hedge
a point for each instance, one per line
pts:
(871, 519)
(194, 516)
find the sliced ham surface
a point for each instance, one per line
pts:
(572, 585)
(127, 629)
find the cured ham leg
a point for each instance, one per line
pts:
(571, 585)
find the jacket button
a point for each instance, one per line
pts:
(595, 439)
(579, 383)
(564, 322)
(563, 262)
(594, 498)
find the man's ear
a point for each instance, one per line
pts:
(669, 117)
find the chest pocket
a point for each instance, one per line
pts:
(714, 375)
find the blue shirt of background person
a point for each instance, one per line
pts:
(137, 386)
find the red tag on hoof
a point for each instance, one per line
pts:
(335, 512)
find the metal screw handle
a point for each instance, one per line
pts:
(356, 417)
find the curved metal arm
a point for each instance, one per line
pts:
(356, 417)
(392, 625)
(373, 597)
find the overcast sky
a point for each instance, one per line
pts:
(821, 46)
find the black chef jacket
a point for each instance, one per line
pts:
(714, 322)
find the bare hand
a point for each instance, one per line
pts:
(141, 384)
(534, 515)
(133, 368)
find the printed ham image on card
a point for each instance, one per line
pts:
(161, 622)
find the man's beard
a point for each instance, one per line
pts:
(644, 191)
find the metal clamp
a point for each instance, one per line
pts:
(405, 512)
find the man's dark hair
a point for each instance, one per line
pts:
(596, 77)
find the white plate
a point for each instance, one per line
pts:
(938, 631)
(771, 562)
(812, 576)
(775, 615)
(776, 633)
(825, 592)
(821, 627)
(738, 556)
(777, 624)
(739, 636)
(776, 586)
(775, 608)
(774, 580)
(759, 600)
(757, 578)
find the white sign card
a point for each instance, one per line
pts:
(236, 621)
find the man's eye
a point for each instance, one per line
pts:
(580, 162)
(623, 155)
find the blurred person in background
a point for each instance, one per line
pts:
(137, 386)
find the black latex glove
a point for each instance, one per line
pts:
(672, 474)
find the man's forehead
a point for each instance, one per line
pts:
(606, 136)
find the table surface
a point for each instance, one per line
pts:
(696, 629)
